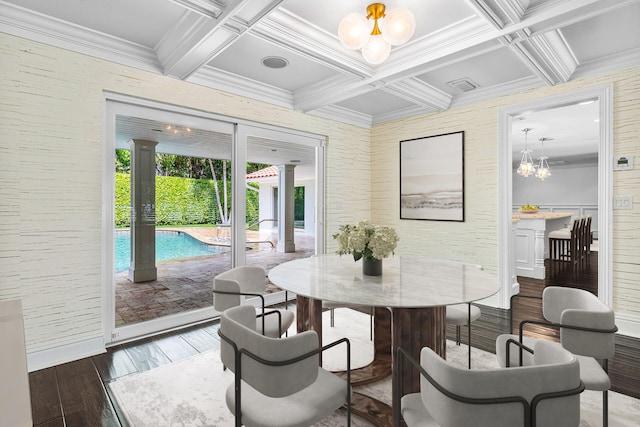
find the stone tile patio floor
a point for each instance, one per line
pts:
(186, 284)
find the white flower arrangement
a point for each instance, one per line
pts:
(366, 240)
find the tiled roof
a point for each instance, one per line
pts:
(268, 172)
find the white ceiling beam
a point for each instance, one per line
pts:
(407, 61)
(575, 10)
(330, 91)
(500, 12)
(197, 38)
(420, 93)
(404, 59)
(549, 56)
(209, 8)
(483, 9)
(411, 59)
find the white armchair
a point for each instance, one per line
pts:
(232, 288)
(545, 394)
(277, 380)
(587, 329)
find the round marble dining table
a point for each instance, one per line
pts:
(409, 299)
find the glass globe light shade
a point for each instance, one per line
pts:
(376, 51)
(527, 167)
(354, 31)
(398, 26)
(543, 171)
(543, 174)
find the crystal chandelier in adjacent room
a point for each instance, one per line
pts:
(393, 28)
(526, 168)
(543, 172)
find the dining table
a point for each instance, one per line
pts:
(409, 300)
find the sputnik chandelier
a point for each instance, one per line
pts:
(395, 27)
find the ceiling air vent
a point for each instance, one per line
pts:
(464, 84)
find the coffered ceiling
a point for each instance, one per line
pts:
(462, 51)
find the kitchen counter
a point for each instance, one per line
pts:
(541, 215)
(532, 240)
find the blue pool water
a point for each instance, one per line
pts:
(169, 245)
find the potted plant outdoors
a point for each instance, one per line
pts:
(368, 241)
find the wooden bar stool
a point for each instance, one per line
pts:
(565, 246)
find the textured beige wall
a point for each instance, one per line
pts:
(476, 240)
(51, 118)
(51, 113)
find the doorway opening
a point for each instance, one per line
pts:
(510, 239)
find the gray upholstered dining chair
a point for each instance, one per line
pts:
(232, 287)
(545, 394)
(332, 306)
(463, 314)
(459, 315)
(587, 329)
(278, 381)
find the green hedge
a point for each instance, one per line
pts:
(180, 201)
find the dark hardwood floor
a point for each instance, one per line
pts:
(76, 394)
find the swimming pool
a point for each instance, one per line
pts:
(169, 245)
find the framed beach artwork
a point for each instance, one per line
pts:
(432, 178)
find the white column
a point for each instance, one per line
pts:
(143, 211)
(285, 208)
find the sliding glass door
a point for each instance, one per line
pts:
(190, 195)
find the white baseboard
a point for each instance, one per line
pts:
(59, 353)
(628, 325)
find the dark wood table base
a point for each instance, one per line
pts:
(409, 328)
(374, 411)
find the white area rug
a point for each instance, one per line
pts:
(191, 392)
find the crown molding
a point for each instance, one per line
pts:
(483, 94)
(24, 23)
(401, 114)
(609, 63)
(227, 82)
(344, 115)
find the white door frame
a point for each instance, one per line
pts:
(604, 94)
(118, 104)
